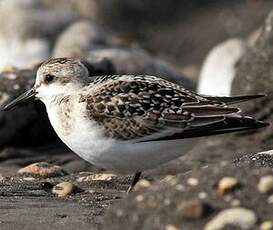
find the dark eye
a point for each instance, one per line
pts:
(49, 78)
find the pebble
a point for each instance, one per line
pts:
(63, 189)
(170, 227)
(29, 178)
(120, 212)
(240, 217)
(267, 225)
(265, 184)
(226, 184)
(202, 195)
(42, 169)
(97, 177)
(180, 187)
(143, 183)
(270, 199)
(235, 203)
(139, 198)
(170, 179)
(3, 97)
(192, 181)
(193, 209)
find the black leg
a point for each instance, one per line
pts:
(134, 181)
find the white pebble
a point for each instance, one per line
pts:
(226, 184)
(267, 225)
(202, 195)
(192, 181)
(240, 217)
(265, 184)
(63, 189)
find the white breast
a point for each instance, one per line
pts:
(86, 139)
(81, 135)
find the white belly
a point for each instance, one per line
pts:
(133, 157)
(87, 140)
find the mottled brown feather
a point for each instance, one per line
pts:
(132, 107)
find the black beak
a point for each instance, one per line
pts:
(21, 99)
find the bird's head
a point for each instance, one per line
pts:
(63, 76)
(55, 77)
(59, 76)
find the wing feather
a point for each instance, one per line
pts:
(146, 108)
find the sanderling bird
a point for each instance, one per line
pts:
(129, 123)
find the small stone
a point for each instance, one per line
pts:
(167, 202)
(139, 198)
(63, 189)
(120, 212)
(193, 209)
(143, 183)
(228, 198)
(226, 184)
(170, 227)
(202, 195)
(270, 199)
(97, 177)
(29, 178)
(47, 186)
(235, 203)
(180, 187)
(42, 169)
(265, 184)
(239, 217)
(192, 181)
(16, 86)
(170, 179)
(267, 225)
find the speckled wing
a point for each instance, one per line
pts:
(147, 108)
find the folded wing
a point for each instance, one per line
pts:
(145, 108)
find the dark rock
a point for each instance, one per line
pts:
(254, 75)
(262, 159)
(25, 125)
(157, 206)
(93, 43)
(177, 35)
(47, 186)
(125, 15)
(85, 8)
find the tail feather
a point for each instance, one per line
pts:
(228, 125)
(235, 99)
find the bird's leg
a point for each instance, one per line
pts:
(134, 181)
